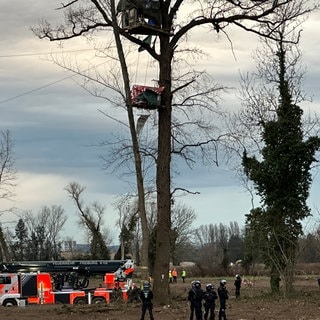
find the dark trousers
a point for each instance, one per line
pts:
(146, 306)
(209, 309)
(192, 308)
(222, 311)
(198, 310)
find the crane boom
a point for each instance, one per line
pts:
(75, 272)
(93, 267)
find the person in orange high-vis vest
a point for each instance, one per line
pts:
(174, 275)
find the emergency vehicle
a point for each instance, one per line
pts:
(49, 282)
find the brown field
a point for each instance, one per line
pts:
(255, 304)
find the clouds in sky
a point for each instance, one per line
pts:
(56, 124)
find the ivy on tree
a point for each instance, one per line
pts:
(282, 179)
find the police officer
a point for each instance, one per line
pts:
(146, 296)
(191, 298)
(237, 284)
(223, 297)
(195, 296)
(198, 300)
(209, 301)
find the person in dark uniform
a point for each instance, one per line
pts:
(237, 284)
(146, 296)
(195, 296)
(191, 298)
(209, 302)
(198, 300)
(223, 297)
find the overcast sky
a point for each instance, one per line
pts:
(55, 123)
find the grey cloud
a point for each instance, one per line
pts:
(55, 128)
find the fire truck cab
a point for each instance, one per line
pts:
(35, 288)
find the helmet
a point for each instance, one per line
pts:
(197, 284)
(146, 285)
(223, 282)
(209, 287)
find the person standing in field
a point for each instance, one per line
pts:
(209, 297)
(237, 284)
(146, 296)
(191, 299)
(195, 296)
(223, 297)
(183, 275)
(174, 275)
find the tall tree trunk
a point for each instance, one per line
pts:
(135, 144)
(275, 280)
(288, 279)
(162, 259)
(122, 249)
(288, 274)
(4, 248)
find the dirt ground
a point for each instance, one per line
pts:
(254, 304)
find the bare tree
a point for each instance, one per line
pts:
(92, 219)
(47, 225)
(182, 231)
(7, 183)
(213, 240)
(128, 216)
(85, 16)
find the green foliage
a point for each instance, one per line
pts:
(33, 245)
(282, 179)
(20, 246)
(254, 240)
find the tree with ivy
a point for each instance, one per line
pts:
(282, 178)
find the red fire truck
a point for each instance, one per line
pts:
(49, 282)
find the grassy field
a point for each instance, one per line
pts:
(255, 303)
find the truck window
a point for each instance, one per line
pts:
(5, 280)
